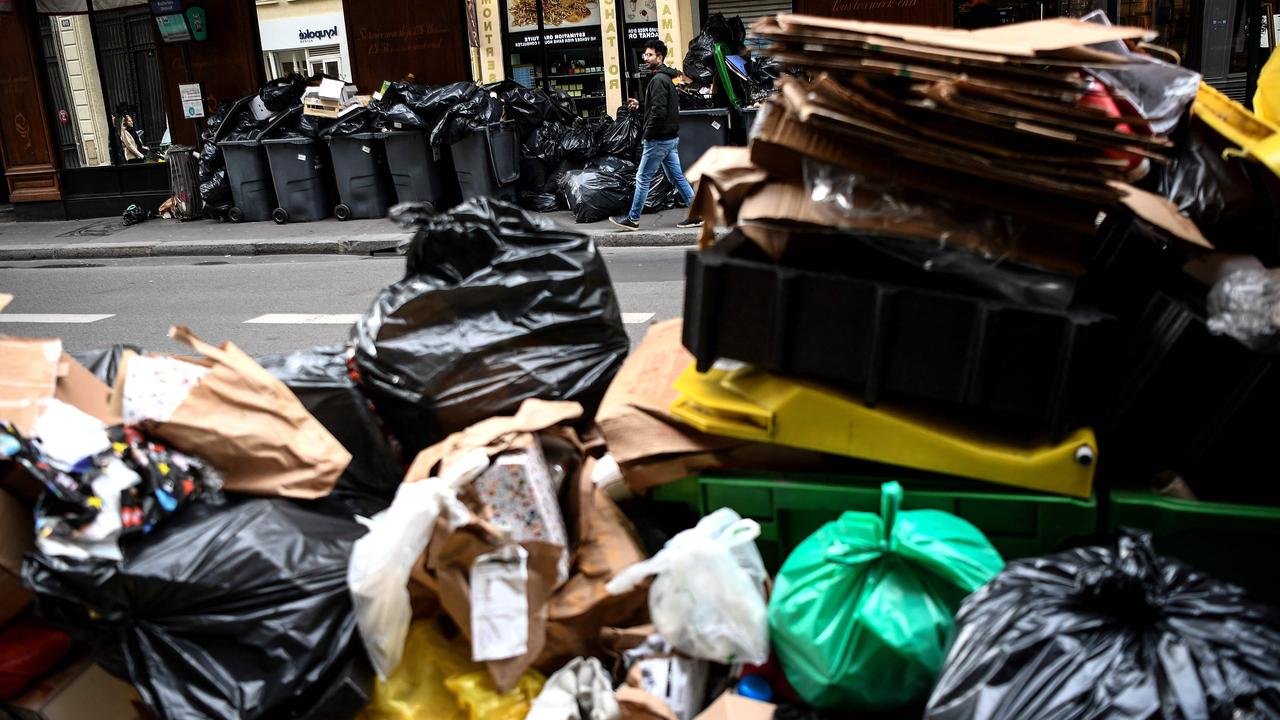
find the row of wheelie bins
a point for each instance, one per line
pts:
(298, 179)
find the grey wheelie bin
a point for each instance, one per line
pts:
(487, 162)
(420, 173)
(302, 178)
(360, 171)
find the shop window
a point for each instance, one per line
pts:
(103, 87)
(555, 44)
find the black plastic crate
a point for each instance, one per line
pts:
(998, 362)
(1199, 405)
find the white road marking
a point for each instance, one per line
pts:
(303, 319)
(50, 318)
(636, 318)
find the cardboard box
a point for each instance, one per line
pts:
(81, 691)
(735, 707)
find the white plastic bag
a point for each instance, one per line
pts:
(381, 561)
(708, 599)
(581, 690)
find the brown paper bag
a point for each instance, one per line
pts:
(252, 428)
(564, 621)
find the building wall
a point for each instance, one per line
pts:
(280, 9)
(83, 80)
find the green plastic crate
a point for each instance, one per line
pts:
(1236, 543)
(1019, 524)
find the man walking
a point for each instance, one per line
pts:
(661, 137)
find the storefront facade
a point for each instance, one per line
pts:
(588, 50)
(308, 37)
(72, 71)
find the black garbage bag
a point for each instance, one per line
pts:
(594, 195)
(556, 176)
(210, 159)
(528, 107)
(321, 380)
(498, 305)
(232, 611)
(533, 174)
(133, 215)
(105, 363)
(476, 110)
(543, 142)
(539, 201)
(730, 31)
(283, 93)
(1232, 204)
(622, 139)
(356, 121)
(663, 195)
(313, 126)
(699, 61)
(620, 166)
(690, 98)
(566, 110)
(584, 137)
(410, 105)
(1115, 632)
(216, 191)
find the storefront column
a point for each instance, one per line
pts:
(675, 27)
(25, 146)
(489, 39)
(613, 69)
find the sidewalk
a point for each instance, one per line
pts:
(109, 238)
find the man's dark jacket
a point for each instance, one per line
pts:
(662, 106)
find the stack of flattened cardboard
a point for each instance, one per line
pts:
(1009, 119)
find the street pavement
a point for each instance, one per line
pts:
(109, 238)
(265, 305)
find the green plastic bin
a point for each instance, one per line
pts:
(1018, 524)
(1236, 543)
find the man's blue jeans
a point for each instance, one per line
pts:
(663, 154)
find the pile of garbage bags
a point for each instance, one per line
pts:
(487, 505)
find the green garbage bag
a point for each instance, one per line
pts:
(863, 610)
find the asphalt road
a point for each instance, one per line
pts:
(215, 297)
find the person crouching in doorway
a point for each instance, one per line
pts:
(660, 137)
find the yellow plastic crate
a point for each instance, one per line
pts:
(754, 405)
(1256, 137)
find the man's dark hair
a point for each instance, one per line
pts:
(657, 46)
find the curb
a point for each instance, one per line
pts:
(293, 246)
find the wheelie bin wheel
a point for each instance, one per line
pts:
(235, 214)
(280, 215)
(342, 211)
